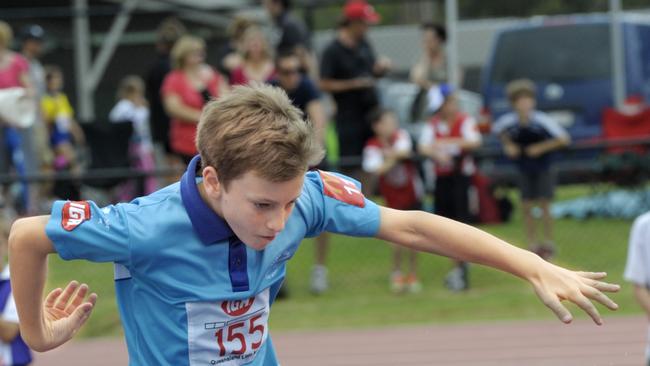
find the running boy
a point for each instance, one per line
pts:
(200, 262)
(386, 155)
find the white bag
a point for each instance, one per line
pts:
(16, 108)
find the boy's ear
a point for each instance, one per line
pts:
(211, 182)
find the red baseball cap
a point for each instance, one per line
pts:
(360, 10)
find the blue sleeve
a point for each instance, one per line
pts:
(333, 202)
(82, 230)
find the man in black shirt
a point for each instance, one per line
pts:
(348, 70)
(305, 95)
(293, 35)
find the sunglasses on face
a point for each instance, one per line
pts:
(288, 72)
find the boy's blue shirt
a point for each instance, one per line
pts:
(189, 292)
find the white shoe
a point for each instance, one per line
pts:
(397, 282)
(456, 279)
(319, 279)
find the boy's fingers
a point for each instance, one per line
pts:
(92, 299)
(588, 307)
(81, 314)
(601, 298)
(63, 299)
(560, 311)
(52, 296)
(77, 299)
(593, 275)
(604, 286)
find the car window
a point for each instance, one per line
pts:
(553, 54)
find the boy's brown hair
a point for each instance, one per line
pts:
(256, 128)
(520, 88)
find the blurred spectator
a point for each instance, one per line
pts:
(229, 55)
(14, 73)
(387, 155)
(448, 140)
(13, 350)
(348, 71)
(257, 59)
(637, 269)
(302, 90)
(185, 90)
(64, 130)
(294, 35)
(132, 108)
(528, 137)
(305, 95)
(430, 69)
(38, 155)
(169, 31)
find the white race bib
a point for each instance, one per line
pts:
(227, 333)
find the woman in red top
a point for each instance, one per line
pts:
(257, 62)
(185, 90)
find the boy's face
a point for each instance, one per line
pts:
(255, 208)
(524, 104)
(386, 126)
(430, 40)
(450, 106)
(55, 82)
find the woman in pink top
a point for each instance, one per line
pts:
(14, 68)
(14, 72)
(257, 62)
(185, 90)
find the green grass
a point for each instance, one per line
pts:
(359, 270)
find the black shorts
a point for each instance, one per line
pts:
(537, 185)
(451, 197)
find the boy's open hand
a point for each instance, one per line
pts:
(65, 311)
(554, 284)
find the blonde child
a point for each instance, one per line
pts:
(59, 117)
(386, 155)
(132, 108)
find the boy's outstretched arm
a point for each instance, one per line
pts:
(43, 325)
(552, 284)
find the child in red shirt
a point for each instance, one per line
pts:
(386, 154)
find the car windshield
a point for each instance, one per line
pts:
(554, 54)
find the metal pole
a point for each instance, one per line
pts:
(617, 53)
(110, 43)
(81, 31)
(451, 20)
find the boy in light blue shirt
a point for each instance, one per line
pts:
(198, 264)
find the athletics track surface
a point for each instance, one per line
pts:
(619, 342)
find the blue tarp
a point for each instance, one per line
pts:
(626, 204)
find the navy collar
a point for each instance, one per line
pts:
(209, 226)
